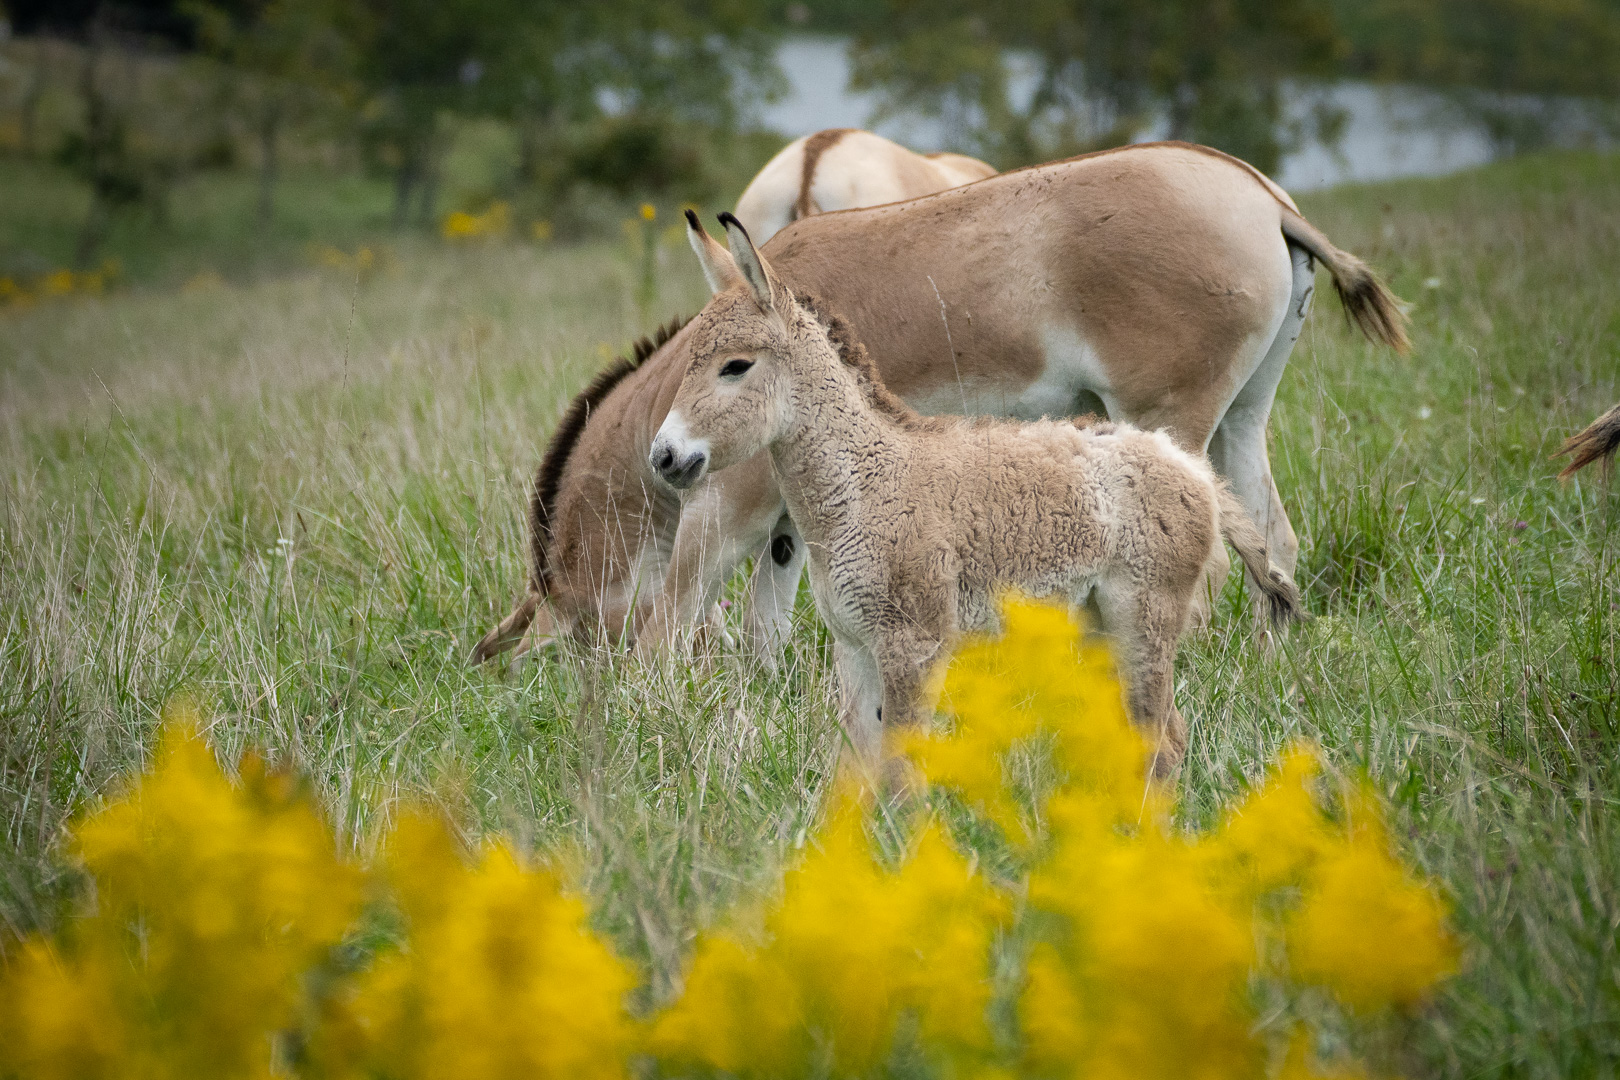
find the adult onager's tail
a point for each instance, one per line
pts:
(1282, 595)
(1598, 441)
(509, 632)
(1367, 300)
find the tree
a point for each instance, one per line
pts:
(288, 56)
(1103, 69)
(1492, 54)
(546, 65)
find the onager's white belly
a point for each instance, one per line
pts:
(1072, 368)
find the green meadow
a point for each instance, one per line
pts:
(295, 493)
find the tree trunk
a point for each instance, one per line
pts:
(30, 102)
(1182, 104)
(405, 179)
(269, 137)
(430, 191)
(92, 232)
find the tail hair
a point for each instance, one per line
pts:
(509, 632)
(1597, 442)
(1368, 303)
(1283, 603)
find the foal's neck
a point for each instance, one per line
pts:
(837, 445)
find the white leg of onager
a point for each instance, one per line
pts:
(1238, 447)
(775, 588)
(860, 699)
(713, 538)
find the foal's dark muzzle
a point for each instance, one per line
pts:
(678, 470)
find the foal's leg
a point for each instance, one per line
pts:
(1146, 620)
(860, 702)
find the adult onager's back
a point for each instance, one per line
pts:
(1163, 284)
(841, 169)
(915, 525)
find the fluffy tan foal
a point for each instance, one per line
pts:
(914, 524)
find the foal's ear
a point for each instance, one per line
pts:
(718, 269)
(754, 269)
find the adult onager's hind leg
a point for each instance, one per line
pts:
(1238, 448)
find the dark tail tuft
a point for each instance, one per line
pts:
(1283, 604)
(1368, 303)
(1598, 442)
(509, 632)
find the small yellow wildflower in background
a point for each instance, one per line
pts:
(58, 283)
(211, 901)
(500, 976)
(491, 224)
(649, 212)
(362, 265)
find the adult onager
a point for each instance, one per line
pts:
(1161, 284)
(841, 169)
(914, 526)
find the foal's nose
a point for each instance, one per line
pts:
(678, 469)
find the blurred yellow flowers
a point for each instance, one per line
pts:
(212, 901)
(362, 264)
(492, 224)
(23, 293)
(1095, 939)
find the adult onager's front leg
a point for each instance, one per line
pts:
(726, 519)
(773, 591)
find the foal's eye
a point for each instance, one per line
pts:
(735, 369)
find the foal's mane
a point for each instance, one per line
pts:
(857, 359)
(548, 478)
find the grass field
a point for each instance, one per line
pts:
(301, 500)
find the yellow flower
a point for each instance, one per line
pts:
(493, 222)
(1276, 836)
(848, 952)
(500, 975)
(211, 901)
(56, 283)
(1368, 932)
(1041, 677)
(649, 212)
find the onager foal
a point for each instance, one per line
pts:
(914, 524)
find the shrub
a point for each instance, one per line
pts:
(1108, 942)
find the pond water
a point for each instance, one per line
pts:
(1390, 131)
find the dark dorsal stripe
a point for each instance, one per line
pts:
(814, 147)
(548, 478)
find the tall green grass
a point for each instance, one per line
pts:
(302, 498)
